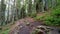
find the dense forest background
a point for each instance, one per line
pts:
(14, 10)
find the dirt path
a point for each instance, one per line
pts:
(21, 27)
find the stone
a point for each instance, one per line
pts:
(27, 23)
(40, 27)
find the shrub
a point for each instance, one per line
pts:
(54, 18)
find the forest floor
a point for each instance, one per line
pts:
(28, 25)
(29, 19)
(12, 26)
(24, 26)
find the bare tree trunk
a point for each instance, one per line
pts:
(30, 7)
(18, 9)
(53, 3)
(26, 6)
(2, 12)
(46, 5)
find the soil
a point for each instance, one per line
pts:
(27, 25)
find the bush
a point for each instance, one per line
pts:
(32, 14)
(5, 32)
(54, 18)
(39, 18)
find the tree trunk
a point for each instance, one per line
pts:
(2, 12)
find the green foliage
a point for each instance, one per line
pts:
(54, 18)
(39, 18)
(32, 14)
(5, 32)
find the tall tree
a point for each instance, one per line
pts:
(53, 3)
(18, 8)
(46, 4)
(30, 7)
(2, 12)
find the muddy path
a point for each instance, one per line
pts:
(26, 26)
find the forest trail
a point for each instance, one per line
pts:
(29, 19)
(22, 26)
(27, 25)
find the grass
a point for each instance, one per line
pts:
(5, 29)
(5, 32)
